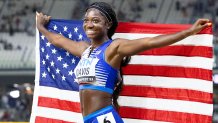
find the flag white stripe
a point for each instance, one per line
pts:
(128, 120)
(179, 61)
(195, 40)
(169, 82)
(59, 94)
(59, 114)
(167, 104)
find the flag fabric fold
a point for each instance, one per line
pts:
(169, 84)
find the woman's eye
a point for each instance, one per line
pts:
(85, 20)
(95, 21)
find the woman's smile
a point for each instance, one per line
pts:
(90, 32)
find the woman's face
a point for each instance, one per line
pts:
(95, 24)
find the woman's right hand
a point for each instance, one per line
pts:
(199, 25)
(41, 19)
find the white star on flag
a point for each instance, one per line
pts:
(80, 37)
(65, 65)
(63, 78)
(53, 76)
(70, 72)
(75, 29)
(54, 51)
(60, 58)
(67, 53)
(43, 37)
(42, 49)
(52, 63)
(55, 27)
(57, 70)
(47, 56)
(48, 44)
(44, 74)
(65, 28)
(48, 69)
(73, 61)
(43, 62)
(69, 35)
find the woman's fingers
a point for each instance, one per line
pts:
(42, 19)
(206, 22)
(209, 24)
(199, 25)
(42, 15)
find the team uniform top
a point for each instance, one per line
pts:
(93, 68)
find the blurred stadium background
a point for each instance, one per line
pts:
(17, 39)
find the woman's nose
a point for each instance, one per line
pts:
(90, 24)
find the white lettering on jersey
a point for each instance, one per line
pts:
(86, 69)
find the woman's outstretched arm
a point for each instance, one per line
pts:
(73, 47)
(126, 47)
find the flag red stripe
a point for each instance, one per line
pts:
(48, 120)
(151, 28)
(167, 93)
(59, 104)
(189, 51)
(160, 115)
(168, 71)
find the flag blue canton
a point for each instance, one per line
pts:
(56, 64)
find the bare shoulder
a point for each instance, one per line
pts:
(120, 40)
(112, 56)
(116, 42)
(114, 46)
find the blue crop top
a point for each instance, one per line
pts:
(93, 68)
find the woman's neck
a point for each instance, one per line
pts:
(96, 43)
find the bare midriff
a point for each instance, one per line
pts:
(93, 100)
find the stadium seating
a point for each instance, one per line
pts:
(21, 55)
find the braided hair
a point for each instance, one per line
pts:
(107, 11)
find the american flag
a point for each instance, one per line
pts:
(169, 84)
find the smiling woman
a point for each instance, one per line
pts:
(98, 72)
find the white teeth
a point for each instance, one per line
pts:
(89, 31)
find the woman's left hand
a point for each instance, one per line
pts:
(199, 25)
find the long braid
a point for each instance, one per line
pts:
(116, 95)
